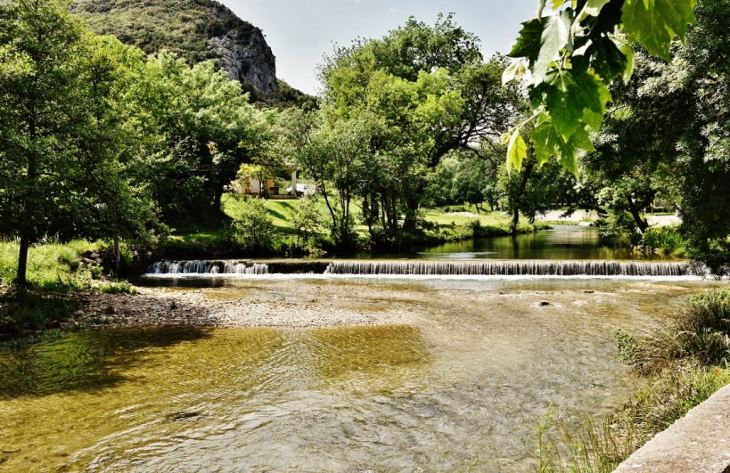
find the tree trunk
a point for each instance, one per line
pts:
(20, 280)
(117, 255)
(518, 197)
(217, 199)
(412, 204)
(635, 212)
(28, 209)
(515, 219)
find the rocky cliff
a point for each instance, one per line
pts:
(198, 30)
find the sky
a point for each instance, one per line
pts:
(300, 32)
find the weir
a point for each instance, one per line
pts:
(207, 267)
(428, 268)
(510, 268)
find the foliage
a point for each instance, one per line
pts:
(332, 156)
(664, 240)
(200, 128)
(571, 55)
(46, 104)
(307, 220)
(432, 94)
(253, 228)
(699, 333)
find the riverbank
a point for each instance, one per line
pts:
(304, 307)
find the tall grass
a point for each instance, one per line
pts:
(699, 333)
(665, 241)
(51, 265)
(584, 445)
(54, 266)
(682, 362)
(581, 445)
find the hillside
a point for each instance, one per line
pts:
(196, 29)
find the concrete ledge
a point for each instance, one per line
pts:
(699, 442)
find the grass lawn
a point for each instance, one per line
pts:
(50, 264)
(282, 213)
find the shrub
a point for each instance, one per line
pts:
(663, 240)
(253, 227)
(700, 333)
(307, 221)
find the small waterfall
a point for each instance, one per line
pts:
(509, 268)
(207, 267)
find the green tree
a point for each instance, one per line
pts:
(334, 157)
(201, 128)
(46, 121)
(470, 182)
(435, 94)
(253, 227)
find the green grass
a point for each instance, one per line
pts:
(282, 212)
(440, 224)
(665, 241)
(51, 265)
(584, 445)
(686, 360)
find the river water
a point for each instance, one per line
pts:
(457, 389)
(563, 242)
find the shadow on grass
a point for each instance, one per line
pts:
(278, 215)
(85, 361)
(33, 311)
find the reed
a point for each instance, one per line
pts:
(683, 362)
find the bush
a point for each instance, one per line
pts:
(307, 221)
(253, 227)
(663, 240)
(699, 333)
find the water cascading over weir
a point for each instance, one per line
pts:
(509, 268)
(207, 267)
(428, 268)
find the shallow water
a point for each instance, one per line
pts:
(460, 386)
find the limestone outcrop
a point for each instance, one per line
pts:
(197, 30)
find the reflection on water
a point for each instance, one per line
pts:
(461, 387)
(564, 242)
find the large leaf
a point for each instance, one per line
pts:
(545, 140)
(528, 44)
(593, 7)
(516, 151)
(571, 97)
(555, 37)
(608, 60)
(514, 71)
(654, 23)
(548, 142)
(627, 50)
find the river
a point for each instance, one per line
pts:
(459, 386)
